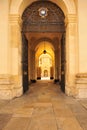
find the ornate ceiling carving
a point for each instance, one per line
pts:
(43, 16)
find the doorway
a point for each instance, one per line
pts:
(46, 63)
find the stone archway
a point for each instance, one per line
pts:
(68, 8)
(45, 58)
(42, 18)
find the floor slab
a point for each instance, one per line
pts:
(43, 107)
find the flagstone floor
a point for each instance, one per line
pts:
(43, 107)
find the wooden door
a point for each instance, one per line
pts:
(51, 72)
(25, 63)
(63, 63)
(38, 72)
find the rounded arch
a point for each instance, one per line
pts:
(18, 6)
(44, 45)
(45, 61)
(44, 39)
(35, 21)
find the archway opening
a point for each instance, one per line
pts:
(45, 60)
(43, 20)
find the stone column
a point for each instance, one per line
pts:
(71, 54)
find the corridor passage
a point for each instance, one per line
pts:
(43, 107)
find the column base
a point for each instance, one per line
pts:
(81, 85)
(70, 90)
(9, 89)
(33, 81)
(38, 78)
(56, 81)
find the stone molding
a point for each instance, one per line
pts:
(70, 19)
(14, 18)
(81, 78)
(81, 75)
(5, 79)
(69, 4)
(81, 85)
(9, 88)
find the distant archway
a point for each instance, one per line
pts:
(45, 62)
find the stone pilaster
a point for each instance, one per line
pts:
(4, 40)
(15, 44)
(71, 54)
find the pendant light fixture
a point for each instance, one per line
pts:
(44, 51)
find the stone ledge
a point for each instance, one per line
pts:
(6, 86)
(81, 81)
(82, 93)
(5, 79)
(8, 92)
(81, 75)
(9, 88)
(81, 85)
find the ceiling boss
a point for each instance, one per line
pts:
(43, 12)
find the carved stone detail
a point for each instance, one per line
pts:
(33, 22)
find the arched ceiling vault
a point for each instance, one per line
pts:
(44, 45)
(18, 6)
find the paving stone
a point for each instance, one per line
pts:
(83, 121)
(84, 103)
(41, 124)
(43, 107)
(24, 112)
(43, 113)
(3, 103)
(63, 112)
(18, 124)
(41, 104)
(77, 109)
(4, 119)
(59, 104)
(69, 123)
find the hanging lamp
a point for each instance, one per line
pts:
(44, 51)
